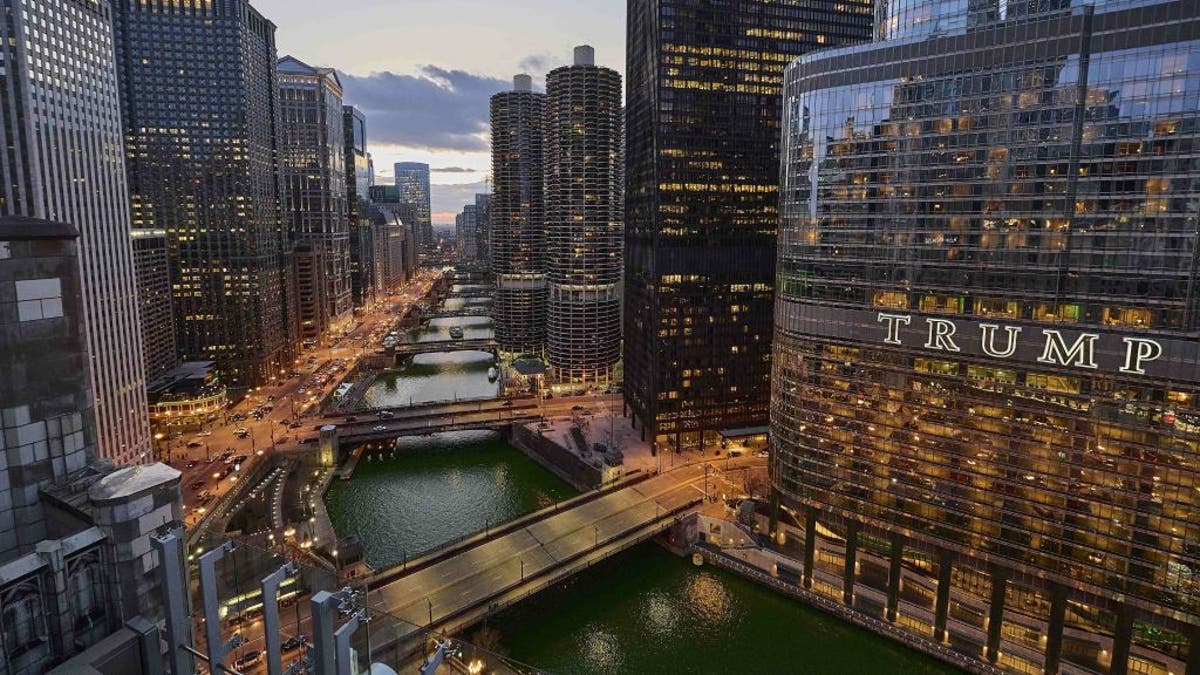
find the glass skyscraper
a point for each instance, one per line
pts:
(412, 178)
(702, 178)
(62, 161)
(201, 113)
(984, 407)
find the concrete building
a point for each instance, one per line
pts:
(986, 372)
(62, 129)
(203, 164)
(313, 164)
(701, 204)
(412, 179)
(483, 229)
(518, 210)
(583, 220)
(151, 265)
(75, 559)
(466, 233)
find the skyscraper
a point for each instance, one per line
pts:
(986, 369)
(483, 228)
(702, 169)
(313, 163)
(583, 219)
(518, 211)
(412, 178)
(358, 185)
(62, 131)
(466, 233)
(203, 164)
(151, 264)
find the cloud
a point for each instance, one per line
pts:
(437, 108)
(454, 169)
(449, 199)
(539, 64)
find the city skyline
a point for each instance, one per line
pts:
(461, 52)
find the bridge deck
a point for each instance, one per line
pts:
(490, 573)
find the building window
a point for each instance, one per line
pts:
(39, 299)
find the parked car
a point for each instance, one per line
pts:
(351, 418)
(195, 444)
(196, 485)
(204, 434)
(294, 642)
(191, 464)
(250, 658)
(381, 428)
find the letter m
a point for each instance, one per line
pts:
(1081, 353)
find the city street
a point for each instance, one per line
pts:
(209, 465)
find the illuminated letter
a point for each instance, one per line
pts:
(940, 332)
(1081, 354)
(893, 326)
(1138, 350)
(989, 340)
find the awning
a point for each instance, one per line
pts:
(743, 432)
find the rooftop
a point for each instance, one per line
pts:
(21, 227)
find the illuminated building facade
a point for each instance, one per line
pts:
(583, 219)
(62, 161)
(151, 264)
(702, 178)
(203, 164)
(986, 370)
(483, 228)
(313, 163)
(518, 213)
(412, 179)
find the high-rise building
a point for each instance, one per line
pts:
(203, 164)
(986, 371)
(466, 233)
(483, 228)
(395, 240)
(583, 219)
(412, 178)
(358, 186)
(518, 212)
(62, 130)
(313, 163)
(702, 179)
(75, 560)
(151, 265)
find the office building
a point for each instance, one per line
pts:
(62, 131)
(518, 212)
(986, 369)
(483, 229)
(583, 219)
(466, 233)
(358, 206)
(203, 164)
(313, 162)
(412, 179)
(151, 265)
(702, 175)
(75, 564)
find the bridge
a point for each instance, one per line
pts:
(451, 590)
(471, 310)
(375, 429)
(411, 349)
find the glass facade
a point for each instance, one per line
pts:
(412, 179)
(985, 364)
(200, 108)
(701, 193)
(583, 220)
(358, 207)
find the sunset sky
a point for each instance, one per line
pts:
(423, 70)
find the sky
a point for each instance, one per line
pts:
(422, 70)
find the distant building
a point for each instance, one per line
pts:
(412, 179)
(358, 186)
(75, 559)
(62, 119)
(583, 220)
(313, 161)
(517, 208)
(483, 229)
(466, 233)
(202, 161)
(151, 266)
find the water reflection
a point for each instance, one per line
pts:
(430, 378)
(438, 330)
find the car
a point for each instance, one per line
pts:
(508, 404)
(294, 642)
(271, 397)
(250, 658)
(387, 414)
(204, 494)
(239, 459)
(310, 440)
(197, 485)
(204, 434)
(195, 444)
(294, 425)
(242, 431)
(576, 408)
(351, 418)
(381, 428)
(192, 463)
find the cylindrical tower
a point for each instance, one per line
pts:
(518, 237)
(583, 219)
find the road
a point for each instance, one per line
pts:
(288, 397)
